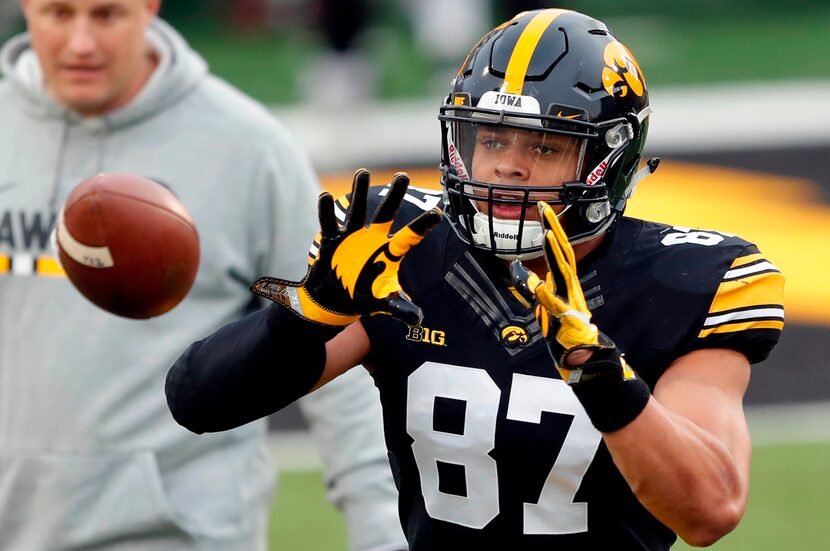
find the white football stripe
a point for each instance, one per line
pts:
(23, 264)
(744, 314)
(747, 270)
(94, 257)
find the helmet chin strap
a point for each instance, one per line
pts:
(505, 234)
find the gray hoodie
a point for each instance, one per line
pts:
(89, 454)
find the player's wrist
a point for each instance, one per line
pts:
(611, 399)
(284, 320)
(296, 298)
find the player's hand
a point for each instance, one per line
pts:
(356, 270)
(563, 314)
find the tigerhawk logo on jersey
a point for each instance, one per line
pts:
(426, 335)
(514, 336)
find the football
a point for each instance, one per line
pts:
(127, 244)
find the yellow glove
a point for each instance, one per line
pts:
(356, 270)
(566, 321)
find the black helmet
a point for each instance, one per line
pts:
(558, 82)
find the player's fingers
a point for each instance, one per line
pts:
(524, 280)
(551, 222)
(412, 234)
(547, 215)
(387, 209)
(550, 301)
(325, 213)
(543, 317)
(356, 215)
(399, 306)
(560, 263)
(426, 221)
(566, 263)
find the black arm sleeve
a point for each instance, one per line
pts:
(246, 370)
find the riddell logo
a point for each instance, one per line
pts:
(504, 235)
(457, 163)
(594, 176)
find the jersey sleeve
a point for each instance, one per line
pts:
(747, 311)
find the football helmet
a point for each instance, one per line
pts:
(547, 106)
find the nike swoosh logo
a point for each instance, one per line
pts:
(7, 186)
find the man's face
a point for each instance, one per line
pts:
(93, 52)
(522, 158)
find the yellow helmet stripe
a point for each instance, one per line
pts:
(514, 78)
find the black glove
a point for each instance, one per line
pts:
(356, 270)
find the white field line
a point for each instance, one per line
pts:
(295, 451)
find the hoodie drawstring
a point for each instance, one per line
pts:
(56, 180)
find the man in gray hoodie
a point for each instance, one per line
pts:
(89, 454)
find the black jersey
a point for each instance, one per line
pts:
(490, 449)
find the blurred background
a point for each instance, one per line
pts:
(741, 99)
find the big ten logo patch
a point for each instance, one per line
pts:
(426, 335)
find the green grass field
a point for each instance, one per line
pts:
(789, 506)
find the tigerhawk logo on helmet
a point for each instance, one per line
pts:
(540, 73)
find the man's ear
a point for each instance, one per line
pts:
(24, 6)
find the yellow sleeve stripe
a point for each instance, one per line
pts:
(314, 249)
(753, 290)
(341, 207)
(743, 260)
(5, 264)
(750, 296)
(743, 326)
(742, 272)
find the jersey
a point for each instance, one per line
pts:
(490, 449)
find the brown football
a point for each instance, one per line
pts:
(128, 244)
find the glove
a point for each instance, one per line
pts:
(356, 270)
(566, 321)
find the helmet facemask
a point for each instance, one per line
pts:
(497, 165)
(550, 72)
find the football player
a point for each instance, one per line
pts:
(565, 377)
